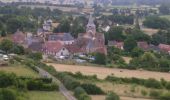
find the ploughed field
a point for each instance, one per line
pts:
(102, 72)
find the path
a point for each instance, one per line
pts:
(62, 88)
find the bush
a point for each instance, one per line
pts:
(68, 81)
(8, 94)
(168, 86)
(154, 94)
(144, 93)
(39, 85)
(92, 89)
(81, 94)
(165, 96)
(100, 58)
(49, 87)
(112, 96)
(7, 80)
(152, 83)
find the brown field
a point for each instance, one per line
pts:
(102, 72)
(100, 97)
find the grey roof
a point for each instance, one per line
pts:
(35, 46)
(61, 37)
(154, 48)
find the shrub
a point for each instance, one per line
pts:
(92, 89)
(152, 83)
(34, 85)
(81, 94)
(7, 80)
(8, 94)
(39, 85)
(49, 87)
(168, 85)
(21, 85)
(68, 81)
(143, 92)
(165, 96)
(154, 94)
(112, 96)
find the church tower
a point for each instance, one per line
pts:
(91, 27)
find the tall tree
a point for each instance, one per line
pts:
(130, 44)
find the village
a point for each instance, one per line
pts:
(64, 45)
(84, 50)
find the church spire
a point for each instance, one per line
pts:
(91, 27)
(91, 20)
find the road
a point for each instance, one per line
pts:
(62, 88)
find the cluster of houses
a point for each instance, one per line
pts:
(143, 45)
(65, 45)
(62, 44)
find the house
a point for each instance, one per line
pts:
(55, 48)
(116, 44)
(36, 47)
(65, 38)
(164, 48)
(143, 45)
(154, 48)
(19, 37)
(47, 26)
(74, 49)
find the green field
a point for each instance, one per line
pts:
(19, 71)
(165, 16)
(37, 95)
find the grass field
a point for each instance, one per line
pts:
(19, 71)
(40, 95)
(102, 72)
(166, 16)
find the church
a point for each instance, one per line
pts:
(91, 41)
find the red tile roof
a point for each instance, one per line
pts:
(52, 46)
(164, 47)
(18, 37)
(143, 45)
(73, 48)
(101, 50)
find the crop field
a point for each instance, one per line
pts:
(102, 72)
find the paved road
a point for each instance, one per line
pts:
(62, 88)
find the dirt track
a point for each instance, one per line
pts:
(104, 72)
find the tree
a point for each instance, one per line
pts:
(3, 33)
(18, 49)
(161, 37)
(112, 96)
(8, 94)
(164, 65)
(138, 35)
(149, 60)
(156, 22)
(13, 24)
(136, 52)
(100, 58)
(130, 44)
(115, 33)
(6, 45)
(35, 56)
(64, 26)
